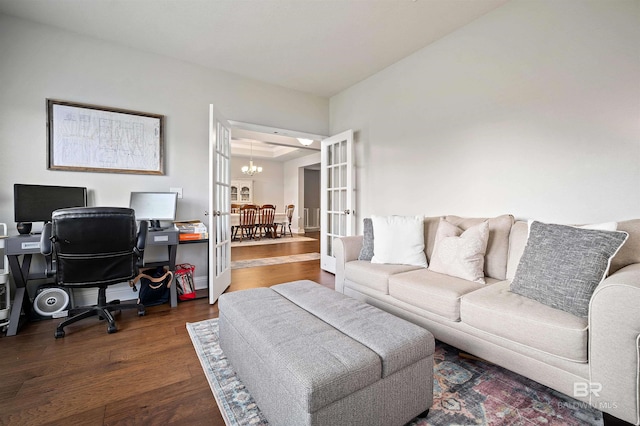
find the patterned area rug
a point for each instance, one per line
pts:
(466, 392)
(265, 241)
(276, 260)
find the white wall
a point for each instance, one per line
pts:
(533, 109)
(39, 62)
(268, 186)
(312, 194)
(294, 186)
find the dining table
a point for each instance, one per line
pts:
(279, 218)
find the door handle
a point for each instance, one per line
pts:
(347, 211)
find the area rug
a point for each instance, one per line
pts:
(265, 241)
(276, 260)
(466, 391)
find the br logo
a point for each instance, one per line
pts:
(582, 389)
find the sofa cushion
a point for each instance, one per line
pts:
(630, 251)
(434, 292)
(495, 258)
(517, 241)
(460, 253)
(562, 265)
(366, 252)
(399, 240)
(497, 311)
(373, 275)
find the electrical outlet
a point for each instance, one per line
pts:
(178, 190)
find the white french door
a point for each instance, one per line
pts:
(337, 216)
(219, 205)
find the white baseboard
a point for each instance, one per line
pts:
(122, 291)
(89, 296)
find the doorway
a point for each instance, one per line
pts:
(284, 161)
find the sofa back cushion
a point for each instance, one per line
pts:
(630, 252)
(430, 231)
(517, 242)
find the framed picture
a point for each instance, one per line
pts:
(91, 138)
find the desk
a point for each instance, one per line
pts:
(25, 245)
(28, 245)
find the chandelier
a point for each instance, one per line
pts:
(251, 169)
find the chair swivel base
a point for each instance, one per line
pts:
(101, 310)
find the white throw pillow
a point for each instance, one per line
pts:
(399, 240)
(460, 254)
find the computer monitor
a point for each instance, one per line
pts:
(36, 203)
(154, 207)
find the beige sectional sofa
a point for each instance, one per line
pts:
(594, 359)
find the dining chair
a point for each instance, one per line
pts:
(235, 209)
(248, 214)
(289, 211)
(266, 220)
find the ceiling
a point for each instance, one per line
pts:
(269, 146)
(315, 46)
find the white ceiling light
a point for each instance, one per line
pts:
(305, 142)
(251, 169)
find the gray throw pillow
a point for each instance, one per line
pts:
(366, 252)
(562, 265)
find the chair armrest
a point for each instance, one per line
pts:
(614, 338)
(46, 249)
(346, 249)
(141, 241)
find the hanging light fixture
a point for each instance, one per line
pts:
(251, 169)
(305, 141)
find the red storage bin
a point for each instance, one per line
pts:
(184, 280)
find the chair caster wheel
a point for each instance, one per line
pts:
(142, 313)
(112, 329)
(59, 334)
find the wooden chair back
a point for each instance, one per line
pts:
(267, 214)
(289, 210)
(248, 213)
(266, 219)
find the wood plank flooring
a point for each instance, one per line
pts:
(145, 374)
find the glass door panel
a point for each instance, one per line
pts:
(336, 210)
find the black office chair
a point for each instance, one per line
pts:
(94, 247)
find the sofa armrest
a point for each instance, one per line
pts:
(614, 337)
(346, 249)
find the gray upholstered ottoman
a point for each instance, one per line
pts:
(312, 356)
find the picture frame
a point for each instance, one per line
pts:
(91, 138)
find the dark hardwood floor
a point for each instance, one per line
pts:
(145, 374)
